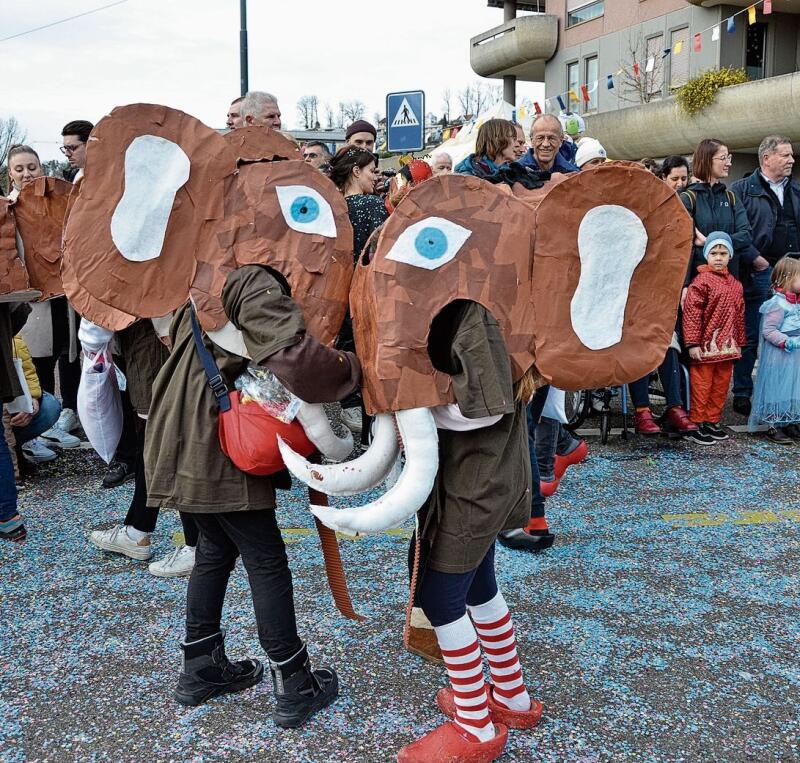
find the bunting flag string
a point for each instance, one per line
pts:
(677, 49)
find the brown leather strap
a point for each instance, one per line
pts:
(333, 562)
(412, 589)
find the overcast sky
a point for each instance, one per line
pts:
(185, 54)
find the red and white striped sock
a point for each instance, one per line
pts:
(496, 632)
(462, 657)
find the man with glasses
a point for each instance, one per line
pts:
(75, 135)
(316, 154)
(546, 139)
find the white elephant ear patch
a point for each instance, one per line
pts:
(611, 243)
(430, 243)
(155, 170)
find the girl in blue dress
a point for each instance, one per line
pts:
(776, 398)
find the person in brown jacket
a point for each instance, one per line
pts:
(714, 333)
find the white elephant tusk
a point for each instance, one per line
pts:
(319, 431)
(351, 477)
(421, 443)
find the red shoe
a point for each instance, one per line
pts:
(449, 744)
(677, 420)
(548, 488)
(513, 719)
(576, 456)
(645, 424)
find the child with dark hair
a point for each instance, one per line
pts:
(713, 332)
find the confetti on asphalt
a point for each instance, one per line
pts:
(662, 626)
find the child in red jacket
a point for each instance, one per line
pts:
(713, 332)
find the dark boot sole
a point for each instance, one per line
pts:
(321, 702)
(193, 700)
(523, 545)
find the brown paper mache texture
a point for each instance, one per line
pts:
(14, 283)
(261, 144)
(655, 287)
(40, 211)
(393, 303)
(255, 231)
(157, 286)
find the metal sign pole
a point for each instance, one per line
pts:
(243, 47)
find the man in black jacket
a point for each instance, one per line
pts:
(772, 201)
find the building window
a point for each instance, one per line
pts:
(579, 11)
(679, 64)
(591, 83)
(654, 60)
(573, 84)
(756, 47)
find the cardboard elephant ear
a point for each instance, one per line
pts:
(14, 283)
(261, 144)
(452, 238)
(40, 211)
(290, 217)
(610, 256)
(153, 178)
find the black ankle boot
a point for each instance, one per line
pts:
(299, 691)
(207, 672)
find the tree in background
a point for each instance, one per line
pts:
(11, 133)
(307, 108)
(447, 99)
(478, 97)
(351, 111)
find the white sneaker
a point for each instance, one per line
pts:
(177, 563)
(117, 540)
(60, 438)
(37, 451)
(351, 418)
(67, 421)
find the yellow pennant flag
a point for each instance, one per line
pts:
(677, 48)
(573, 95)
(751, 15)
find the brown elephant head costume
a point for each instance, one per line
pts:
(583, 278)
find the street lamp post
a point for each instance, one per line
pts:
(243, 46)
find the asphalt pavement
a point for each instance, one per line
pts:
(663, 625)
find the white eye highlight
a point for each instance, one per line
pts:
(612, 241)
(305, 210)
(430, 243)
(155, 169)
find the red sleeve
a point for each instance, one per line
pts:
(693, 309)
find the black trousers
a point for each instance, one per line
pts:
(130, 446)
(256, 537)
(140, 515)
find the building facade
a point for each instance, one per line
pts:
(571, 43)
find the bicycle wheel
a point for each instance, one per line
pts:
(575, 407)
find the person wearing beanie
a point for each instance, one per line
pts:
(361, 134)
(590, 154)
(411, 175)
(714, 334)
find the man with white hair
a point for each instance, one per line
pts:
(441, 163)
(260, 108)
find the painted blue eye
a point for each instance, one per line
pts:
(305, 209)
(430, 243)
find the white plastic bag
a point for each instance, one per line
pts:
(23, 403)
(99, 403)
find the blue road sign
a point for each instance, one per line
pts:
(405, 121)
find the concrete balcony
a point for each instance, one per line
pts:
(778, 6)
(740, 116)
(519, 47)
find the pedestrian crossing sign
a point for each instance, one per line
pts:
(405, 117)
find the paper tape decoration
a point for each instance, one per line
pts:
(14, 284)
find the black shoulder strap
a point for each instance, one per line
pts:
(692, 198)
(215, 380)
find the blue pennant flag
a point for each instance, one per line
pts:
(610, 82)
(731, 25)
(561, 103)
(666, 52)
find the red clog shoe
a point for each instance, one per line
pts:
(677, 420)
(513, 719)
(449, 744)
(548, 488)
(572, 458)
